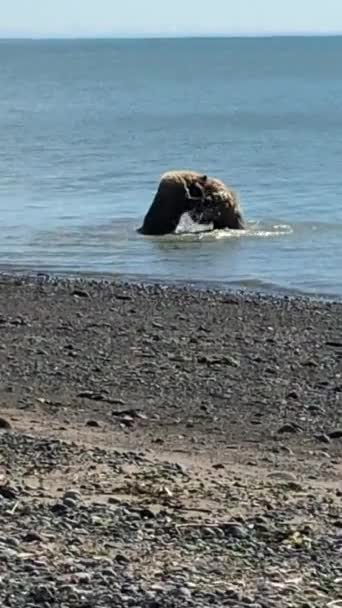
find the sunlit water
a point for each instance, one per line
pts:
(88, 127)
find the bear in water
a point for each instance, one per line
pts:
(207, 200)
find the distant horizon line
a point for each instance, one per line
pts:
(161, 36)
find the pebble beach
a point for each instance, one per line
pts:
(166, 446)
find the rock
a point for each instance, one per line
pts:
(12, 542)
(338, 523)
(218, 360)
(43, 594)
(82, 578)
(121, 559)
(184, 592)
(92, 423)
(73, 495)
(289, 427)
(8, 492)
(234, 530)
(70, 503)
(146, 513)
(59, 508)
(8, 554)
(5, 425)
(109, 572)
(336, 434)
(315, 409)
(322, 438)
(294, 486)
(284, 475)
(32, 537)
(80, 293)
(293, 395)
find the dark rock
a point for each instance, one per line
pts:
(336, 434)
(71, 495)
(218, 360)
(146, 513)
(323, 438)
(8, 492)
(121, 559)
(32, 537)
(129, 413)
(338, 523)
(92, 423)
(293, 395)
(43, 594)
(5, 425)
(289, 427)
(80, 293)
(70, 503)
(234, 530)
(59, 508)
(315, 409)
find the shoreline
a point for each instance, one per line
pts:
(272, 291)
(163, 446)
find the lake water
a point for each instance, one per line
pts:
(87, 127)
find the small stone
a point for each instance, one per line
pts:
(123, 296)
(294, 486)
(323, 438)
(234, 530)
(185, 593)
(336, 434)
(82, 578)
(5, 425)
(109, 572)
(32, 537)
(12, 542)
(80, 293)
(92, 423)
(8, 492)
(315, 409)
(8, 554)
(285, 475)
(293, 395)
(43, 594)
(146, 513)
(73, 495)
(59, 508)
(70, 503)
(289, 427)
(158, 441)
(121, 559)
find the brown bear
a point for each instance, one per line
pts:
(207, 200)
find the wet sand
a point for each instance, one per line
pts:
(198, 434)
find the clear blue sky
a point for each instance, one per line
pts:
(167, 17)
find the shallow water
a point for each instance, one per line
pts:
(87, 127)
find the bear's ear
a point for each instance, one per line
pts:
(203, 178)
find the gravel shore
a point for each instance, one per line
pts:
(168, 447)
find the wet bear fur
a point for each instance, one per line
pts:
(207, 200)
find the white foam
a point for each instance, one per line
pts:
(188, 226)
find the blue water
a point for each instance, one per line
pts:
(87, 127)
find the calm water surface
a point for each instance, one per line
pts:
(87, 127)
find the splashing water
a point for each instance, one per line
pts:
(187, 225)
(187, 228)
